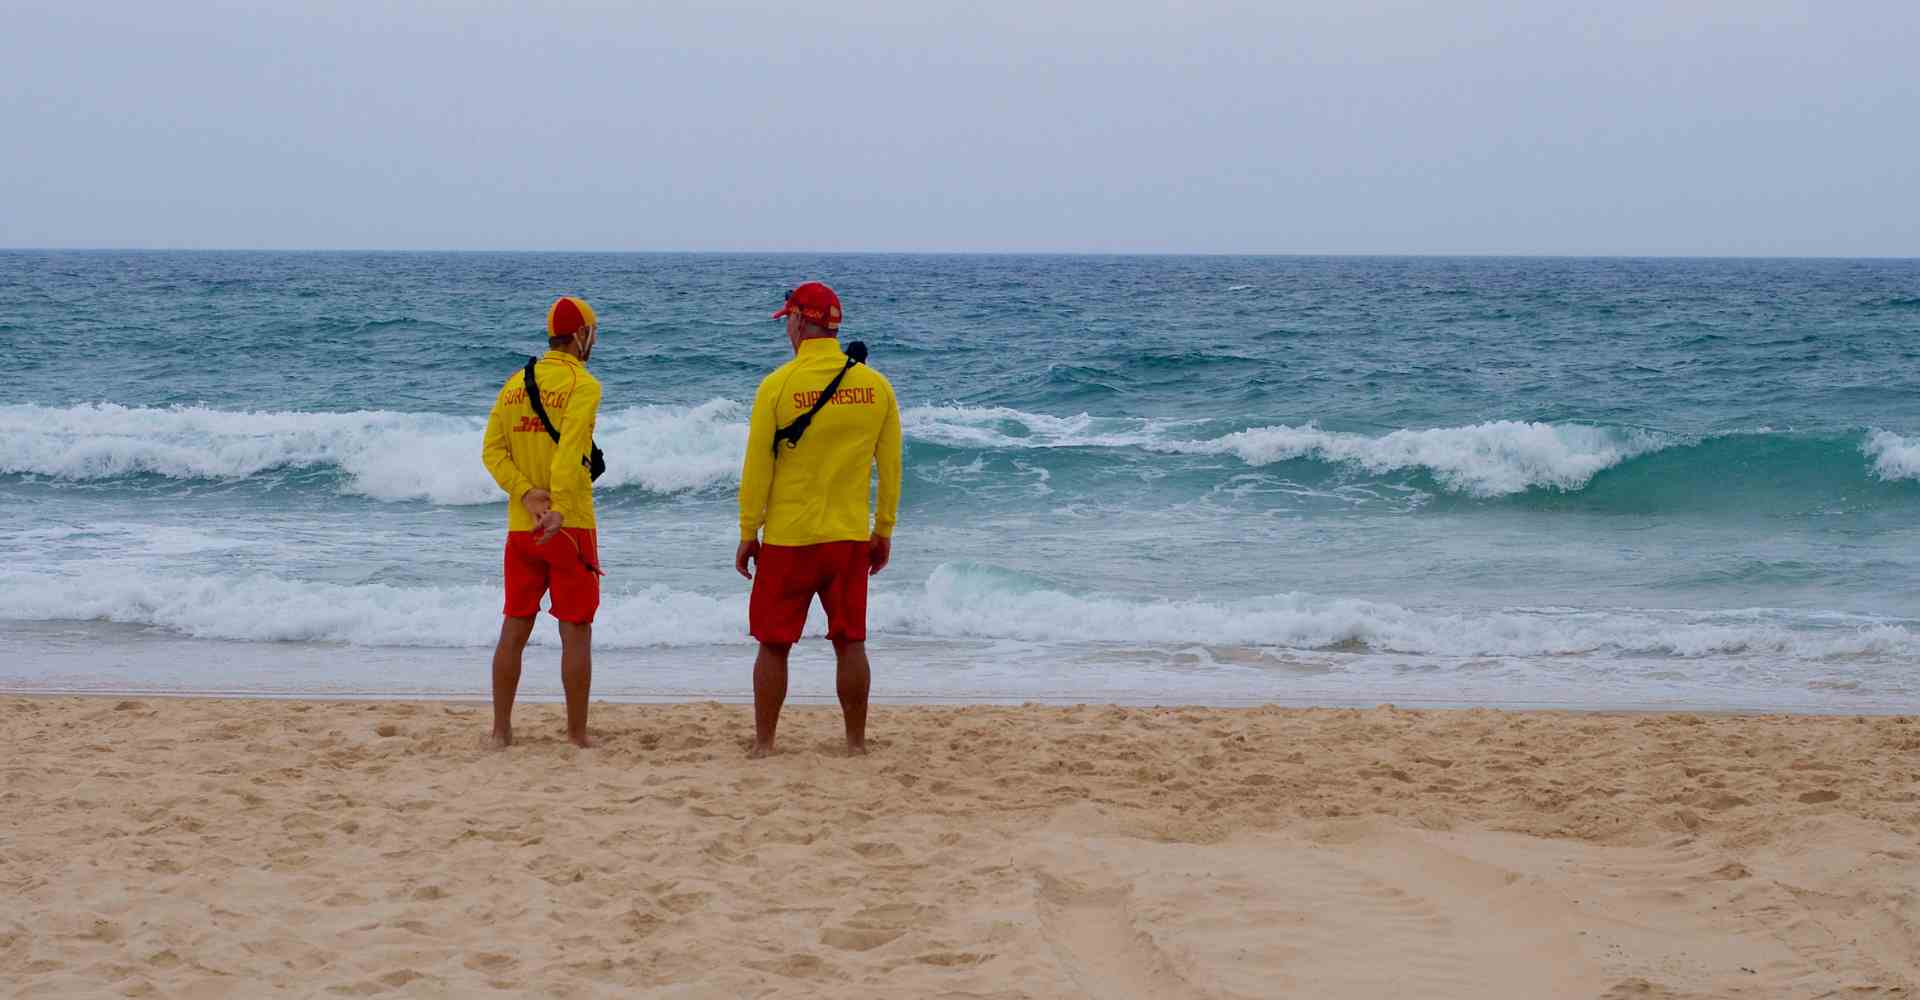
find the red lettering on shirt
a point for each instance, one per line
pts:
(553, 399)
(844, 397)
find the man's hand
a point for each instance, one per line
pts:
(546, 520)
(749, 549)
(879, 550)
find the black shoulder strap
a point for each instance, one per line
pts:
(594, 460)
(539, 408)
(856, 353)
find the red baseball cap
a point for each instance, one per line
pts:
(815, 303)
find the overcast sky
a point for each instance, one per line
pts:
(1675, 127)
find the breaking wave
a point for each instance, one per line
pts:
(389, 455)
(957, 601)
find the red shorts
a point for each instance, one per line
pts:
(567, 564)
(787, 576)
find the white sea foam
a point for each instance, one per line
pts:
(1894, 457)
(1490, 459)
(956, 602)
(384, 455)
(1000, 427)
(266, 608)
(401, 456)
(962, 601)
(668, 449)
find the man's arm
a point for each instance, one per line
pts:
(886, 452)
(572, 480)
(756, 468)
(756, 477)
(499, 457)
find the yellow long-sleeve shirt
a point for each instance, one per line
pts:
(522, 456)
(818, 490)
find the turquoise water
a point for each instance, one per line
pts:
(1186, 479)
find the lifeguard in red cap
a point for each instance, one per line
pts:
(821, 424)
(539, 448)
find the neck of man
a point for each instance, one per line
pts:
(812, 334)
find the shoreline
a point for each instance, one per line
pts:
(814, 700)
(118, 660)
(228, 847)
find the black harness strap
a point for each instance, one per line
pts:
(595, 463)
(856, 353)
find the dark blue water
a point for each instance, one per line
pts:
(1197, 478)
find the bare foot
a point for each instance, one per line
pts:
(760, 750)
(499, 739)
(583, 741)
(857, 749)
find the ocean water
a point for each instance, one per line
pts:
(1593, 483)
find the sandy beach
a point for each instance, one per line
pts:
(159, 847)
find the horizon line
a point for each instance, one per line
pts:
(1556, 255)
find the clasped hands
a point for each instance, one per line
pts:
(546, 520)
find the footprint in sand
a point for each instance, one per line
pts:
(639, 925)
(952, 959)
(686, 902)
(873, 926)
(1636, 989)
(889, 916)
(490, 961)
(801, 966)
(858, 938)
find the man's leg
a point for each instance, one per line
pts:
(576, 676)
(514, 633)
(853, 678)
(769, 694)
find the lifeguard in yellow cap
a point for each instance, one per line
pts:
(539, 448)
